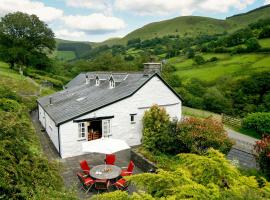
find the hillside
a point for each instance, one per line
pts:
(193, 26)
(69, 50)
(234, 66)
(186, 26)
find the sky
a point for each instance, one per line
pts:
(98, 20)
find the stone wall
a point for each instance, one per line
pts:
(140, 161)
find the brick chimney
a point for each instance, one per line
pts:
(152, 67)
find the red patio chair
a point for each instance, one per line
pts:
(102, 184)
(85, 167)
(110, 159)
(129, 170)
(86, 182)
(121, 184)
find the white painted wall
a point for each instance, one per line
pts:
(154, 92)
(49, 126)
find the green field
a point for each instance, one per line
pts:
(265, 43)
(7, 72)
(236, 65)
(65, 55)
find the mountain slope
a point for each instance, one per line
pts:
(193, 26)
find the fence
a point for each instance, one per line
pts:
(231, 121)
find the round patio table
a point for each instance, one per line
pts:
(105, 171)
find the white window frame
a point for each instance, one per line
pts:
(82, 130)
(106, 128)
(112, 83)
(97, 81)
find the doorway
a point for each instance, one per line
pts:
(94, 130)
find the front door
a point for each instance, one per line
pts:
(106, 128)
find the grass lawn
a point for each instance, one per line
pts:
(21, 84)
(65, 55)
(265, 43)
(7, 72)
(200, 113)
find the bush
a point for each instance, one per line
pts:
(199, 60)
(265, 33)
(259, 122)
(213, 59)
(10, 105)
(198, 135)
(208, 176)
(158, 134)
(262, 148)
(252, 44)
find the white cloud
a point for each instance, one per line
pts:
(45, 13)
(69, 34)
(266, 2)
(150, 7)
(94, 23)
(92, 4)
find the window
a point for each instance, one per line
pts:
(132, 118)
(106, 128)
(97, 81)
(112, 83)
(81, 130)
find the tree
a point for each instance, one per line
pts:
(215, 101)
(252, 44)
(190, 53)
(265, 33)
(24, 37)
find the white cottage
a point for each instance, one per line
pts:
(104, 104)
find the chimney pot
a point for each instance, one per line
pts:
(50, 100)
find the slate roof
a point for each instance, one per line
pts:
(80, 98)
(80, 79)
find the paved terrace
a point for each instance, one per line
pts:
(70, 166)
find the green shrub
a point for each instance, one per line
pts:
(160, 135)
(199, 60)
(7, 93)
(121, 195)
(208, 176)
(157, 133)
(252, 44)
(213, 59)
(198, 135)
(259, 122)
(10, 105)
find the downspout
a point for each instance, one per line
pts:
(38, 112)
(59, 146)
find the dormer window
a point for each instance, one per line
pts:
(112, 83)
(97, 81)
(87, 79)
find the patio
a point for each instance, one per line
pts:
(72, 165)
